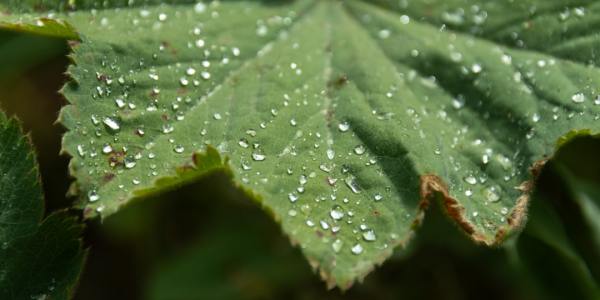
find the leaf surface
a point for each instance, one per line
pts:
(341, 118)
(38, 258)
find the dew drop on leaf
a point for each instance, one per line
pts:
(111, 123)
(359, 150)
(578, 98)
(471, 180)
(258, 157)
(336, 213)
(369, 236)
(343, 127)
(337, 245)
(352, 185)
(93, 195)
(179, 149)
(357, 249)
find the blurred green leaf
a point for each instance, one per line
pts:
(560, 247)
(39, 259)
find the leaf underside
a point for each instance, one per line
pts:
(341, 118)
(38, 259)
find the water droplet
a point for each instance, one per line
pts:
(357, 249)
(217, 116)
(93, 195)
(468, 193)
(111, 124)
(184, 81)
(404, 19)
(351, 183)
(324, 225)
(81, 150)
(179, 149)
(200, 7)
(384, 34)
(167, 128)
(491, 194)
(107, 149)
(190, 71)
(129, 162)
(337, 245)
(378, 197)
(258, 156)
(369, 236)
(293, 197)
(330, 154)
(343, 127)
(325, 168)
(359, 150)
(120, 102)
(243, 143)
(578, 98)
(470, 180)
(336, 213)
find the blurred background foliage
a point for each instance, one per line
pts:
(207, 241)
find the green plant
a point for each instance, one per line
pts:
(343, 119)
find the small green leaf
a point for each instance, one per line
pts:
(38, 259)
(341, 118)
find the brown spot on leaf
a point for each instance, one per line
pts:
(108, 177)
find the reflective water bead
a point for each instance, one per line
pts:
(357, 249)
(359, 150)
(258, 156)
(129, 162)
(111, 123)
(179, 149)
(578, 98)
(337, 245)
(369, 236)
(93, 195)
(190, 71)
(470, 180)
(336, 213)
(343, 127)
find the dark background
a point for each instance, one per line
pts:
(207, 241)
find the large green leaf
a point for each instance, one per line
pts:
(341, 118)
(38, 259)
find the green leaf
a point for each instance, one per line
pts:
(563, 225)
(341, 118)
(38, 259)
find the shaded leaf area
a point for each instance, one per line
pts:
(38, 258)
(563, 227)
(331, 115)
(218, 245)
(183, 243)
